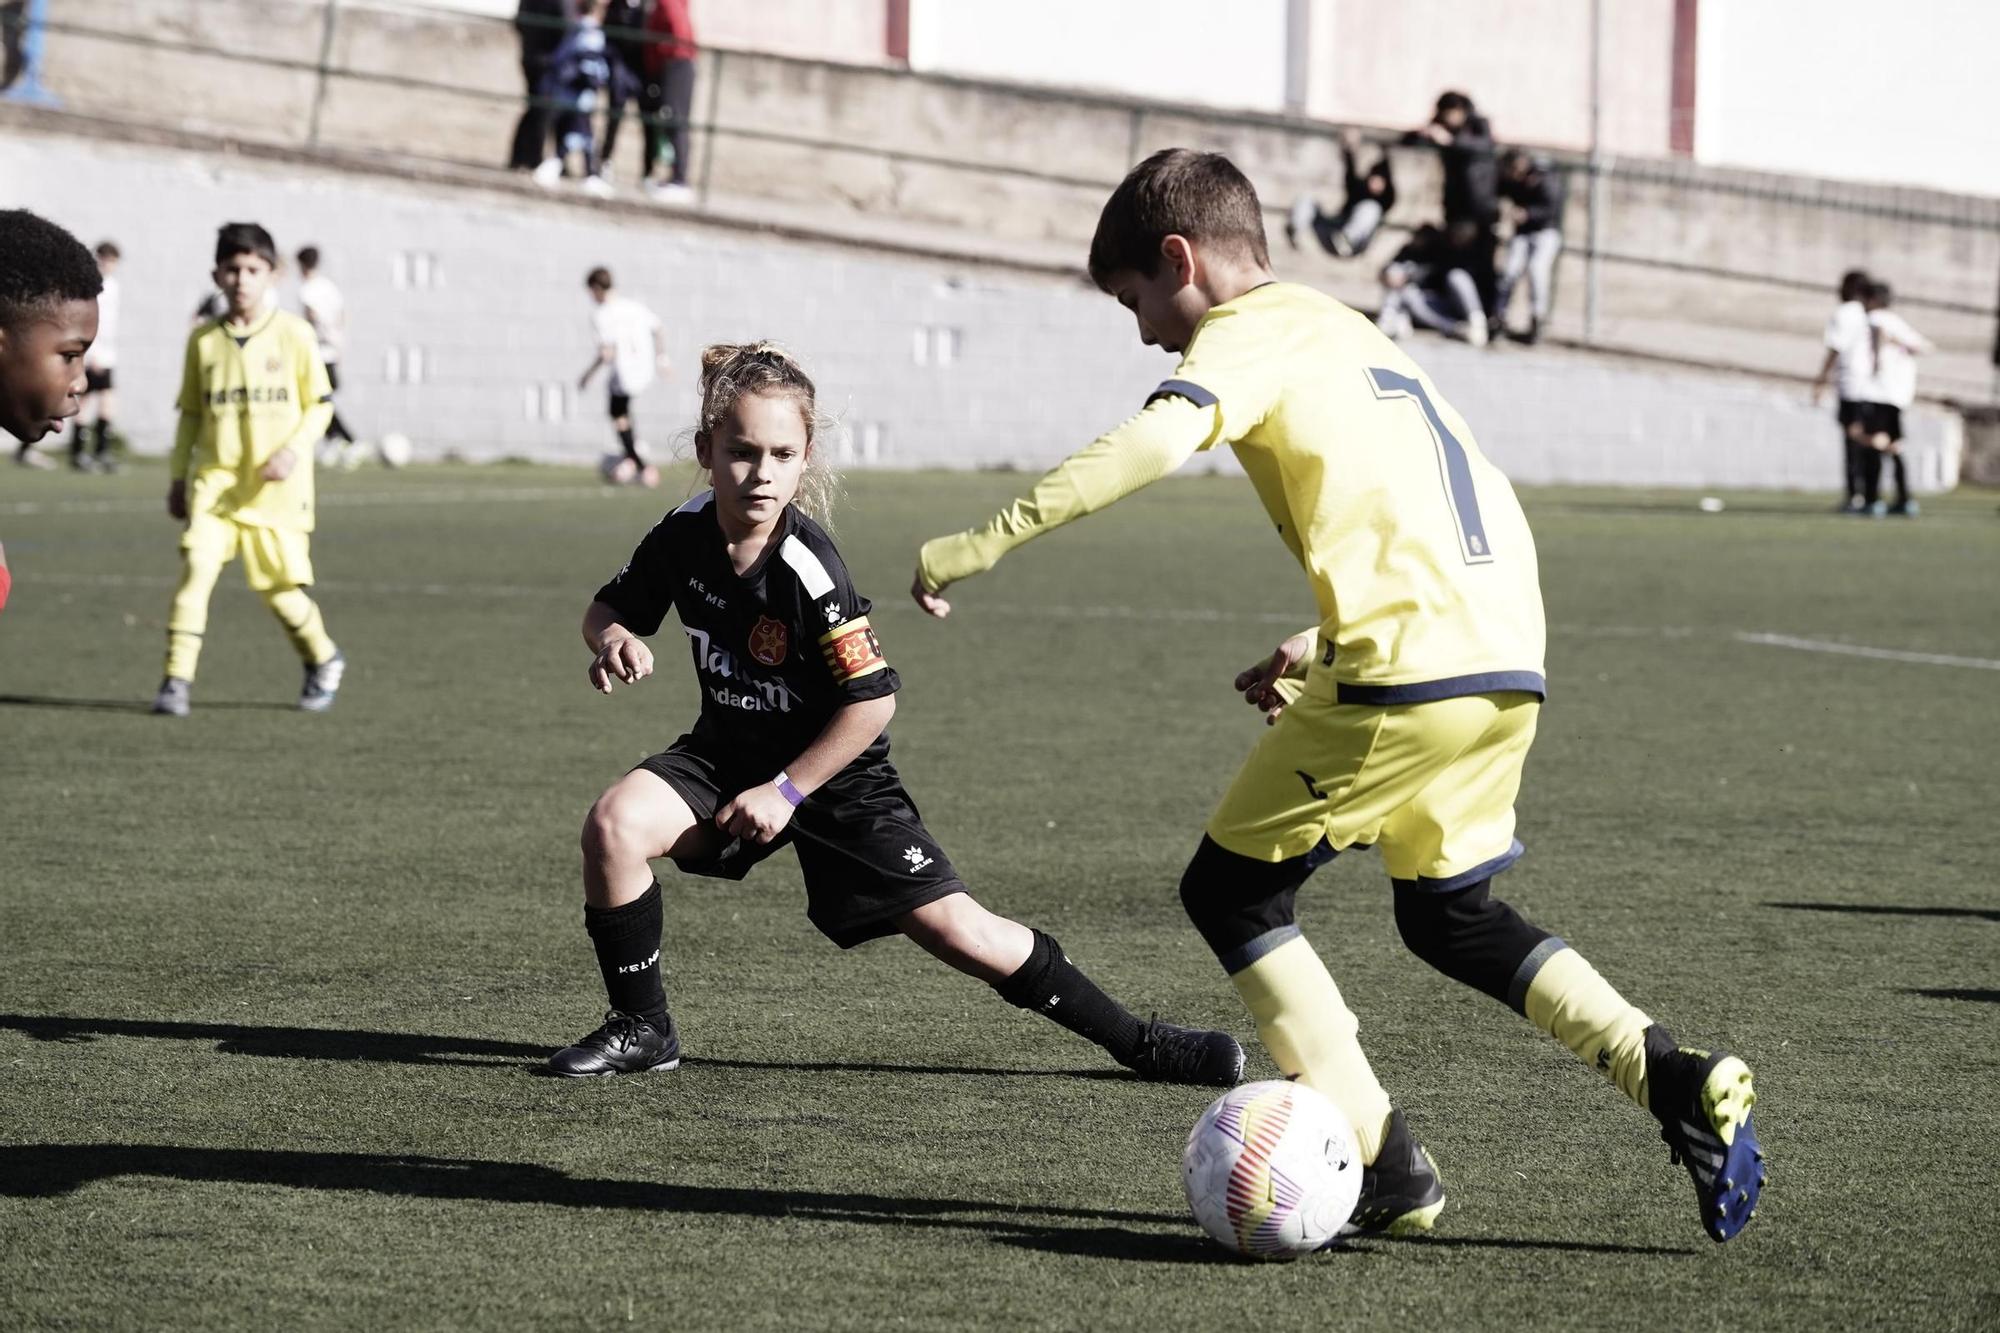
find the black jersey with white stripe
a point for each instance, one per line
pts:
(776, 651)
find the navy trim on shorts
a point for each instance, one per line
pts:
(1451, 687)
(1245, 954)
(1524, 975)
(1187, 389)
(1484, 870)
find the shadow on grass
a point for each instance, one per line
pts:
(400, 1048)
(1185, 1246)
(52, 1170)
(417, 1048)
(1954, 993)
(1525, 1243)
(1190, 1247)
(1888, 909)
(133, 705)
(837, 1067)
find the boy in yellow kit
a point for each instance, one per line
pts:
(1402, 720)
(254, 402)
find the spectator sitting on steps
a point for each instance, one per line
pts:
(1368, 200)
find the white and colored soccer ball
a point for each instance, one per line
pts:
(1272, 1170)
(617, 469)
(396, 449)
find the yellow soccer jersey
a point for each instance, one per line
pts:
(245, 395)
(1415, 545)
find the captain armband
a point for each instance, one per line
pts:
(852, 650)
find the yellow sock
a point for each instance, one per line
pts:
(299, 614)
(187, 618)
(1580, 1009)
(1311, 1033)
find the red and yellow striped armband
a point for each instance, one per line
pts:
(852, 650)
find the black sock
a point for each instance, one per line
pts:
(627, 940)
(76, 441)
(103, 442)
(631, 449)
(1057, 989)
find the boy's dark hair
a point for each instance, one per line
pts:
(244, 238)
(1517, 162)
(598, 279)
(41, 267)
(1879, 293)
(1176, 192)
(107, 250)
(308, 256)
(1449, 101)
(1854, 284)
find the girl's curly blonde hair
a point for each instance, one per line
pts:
(730, 370)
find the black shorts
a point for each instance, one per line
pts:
(621, 405)
(1882, 419)
(1852, 412)
(96, 381)
(863, 849)
(332, 375)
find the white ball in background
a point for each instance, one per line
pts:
(396, 449)
(1711, 504)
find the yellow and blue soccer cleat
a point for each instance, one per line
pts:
(1401, 1193)
(1703, 1102)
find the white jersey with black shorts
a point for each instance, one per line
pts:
(777, 652)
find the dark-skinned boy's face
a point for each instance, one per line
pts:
(41, 369)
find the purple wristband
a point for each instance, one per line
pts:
(785, 789)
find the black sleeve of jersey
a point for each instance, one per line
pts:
(643, 592)
(846, 644)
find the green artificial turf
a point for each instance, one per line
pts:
(273, 986)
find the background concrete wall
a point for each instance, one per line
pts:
(470, 325)
(1728, 267)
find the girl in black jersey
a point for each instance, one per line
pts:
(790, 747)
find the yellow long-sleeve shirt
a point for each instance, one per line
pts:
(1415, 545)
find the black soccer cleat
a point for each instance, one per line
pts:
(626, 1044)
(1401, 1193)
(1170, 1054)
(1702, 1100)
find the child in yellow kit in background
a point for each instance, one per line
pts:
(1402, 720)
(254, 401)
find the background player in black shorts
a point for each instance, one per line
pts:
(99, 369)
(790, 748)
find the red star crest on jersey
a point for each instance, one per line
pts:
(769, 641)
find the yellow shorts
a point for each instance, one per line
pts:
(272, 557)
(1430, 784)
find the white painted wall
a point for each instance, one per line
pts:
(1174, 50)
(1852, 89)
(929, 362)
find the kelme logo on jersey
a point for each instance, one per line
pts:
(757, 695)
(768, 641)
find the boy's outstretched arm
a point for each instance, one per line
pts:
(1164, 435)
(618, 654)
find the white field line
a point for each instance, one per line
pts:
(1863, 650)
(1177, 615)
